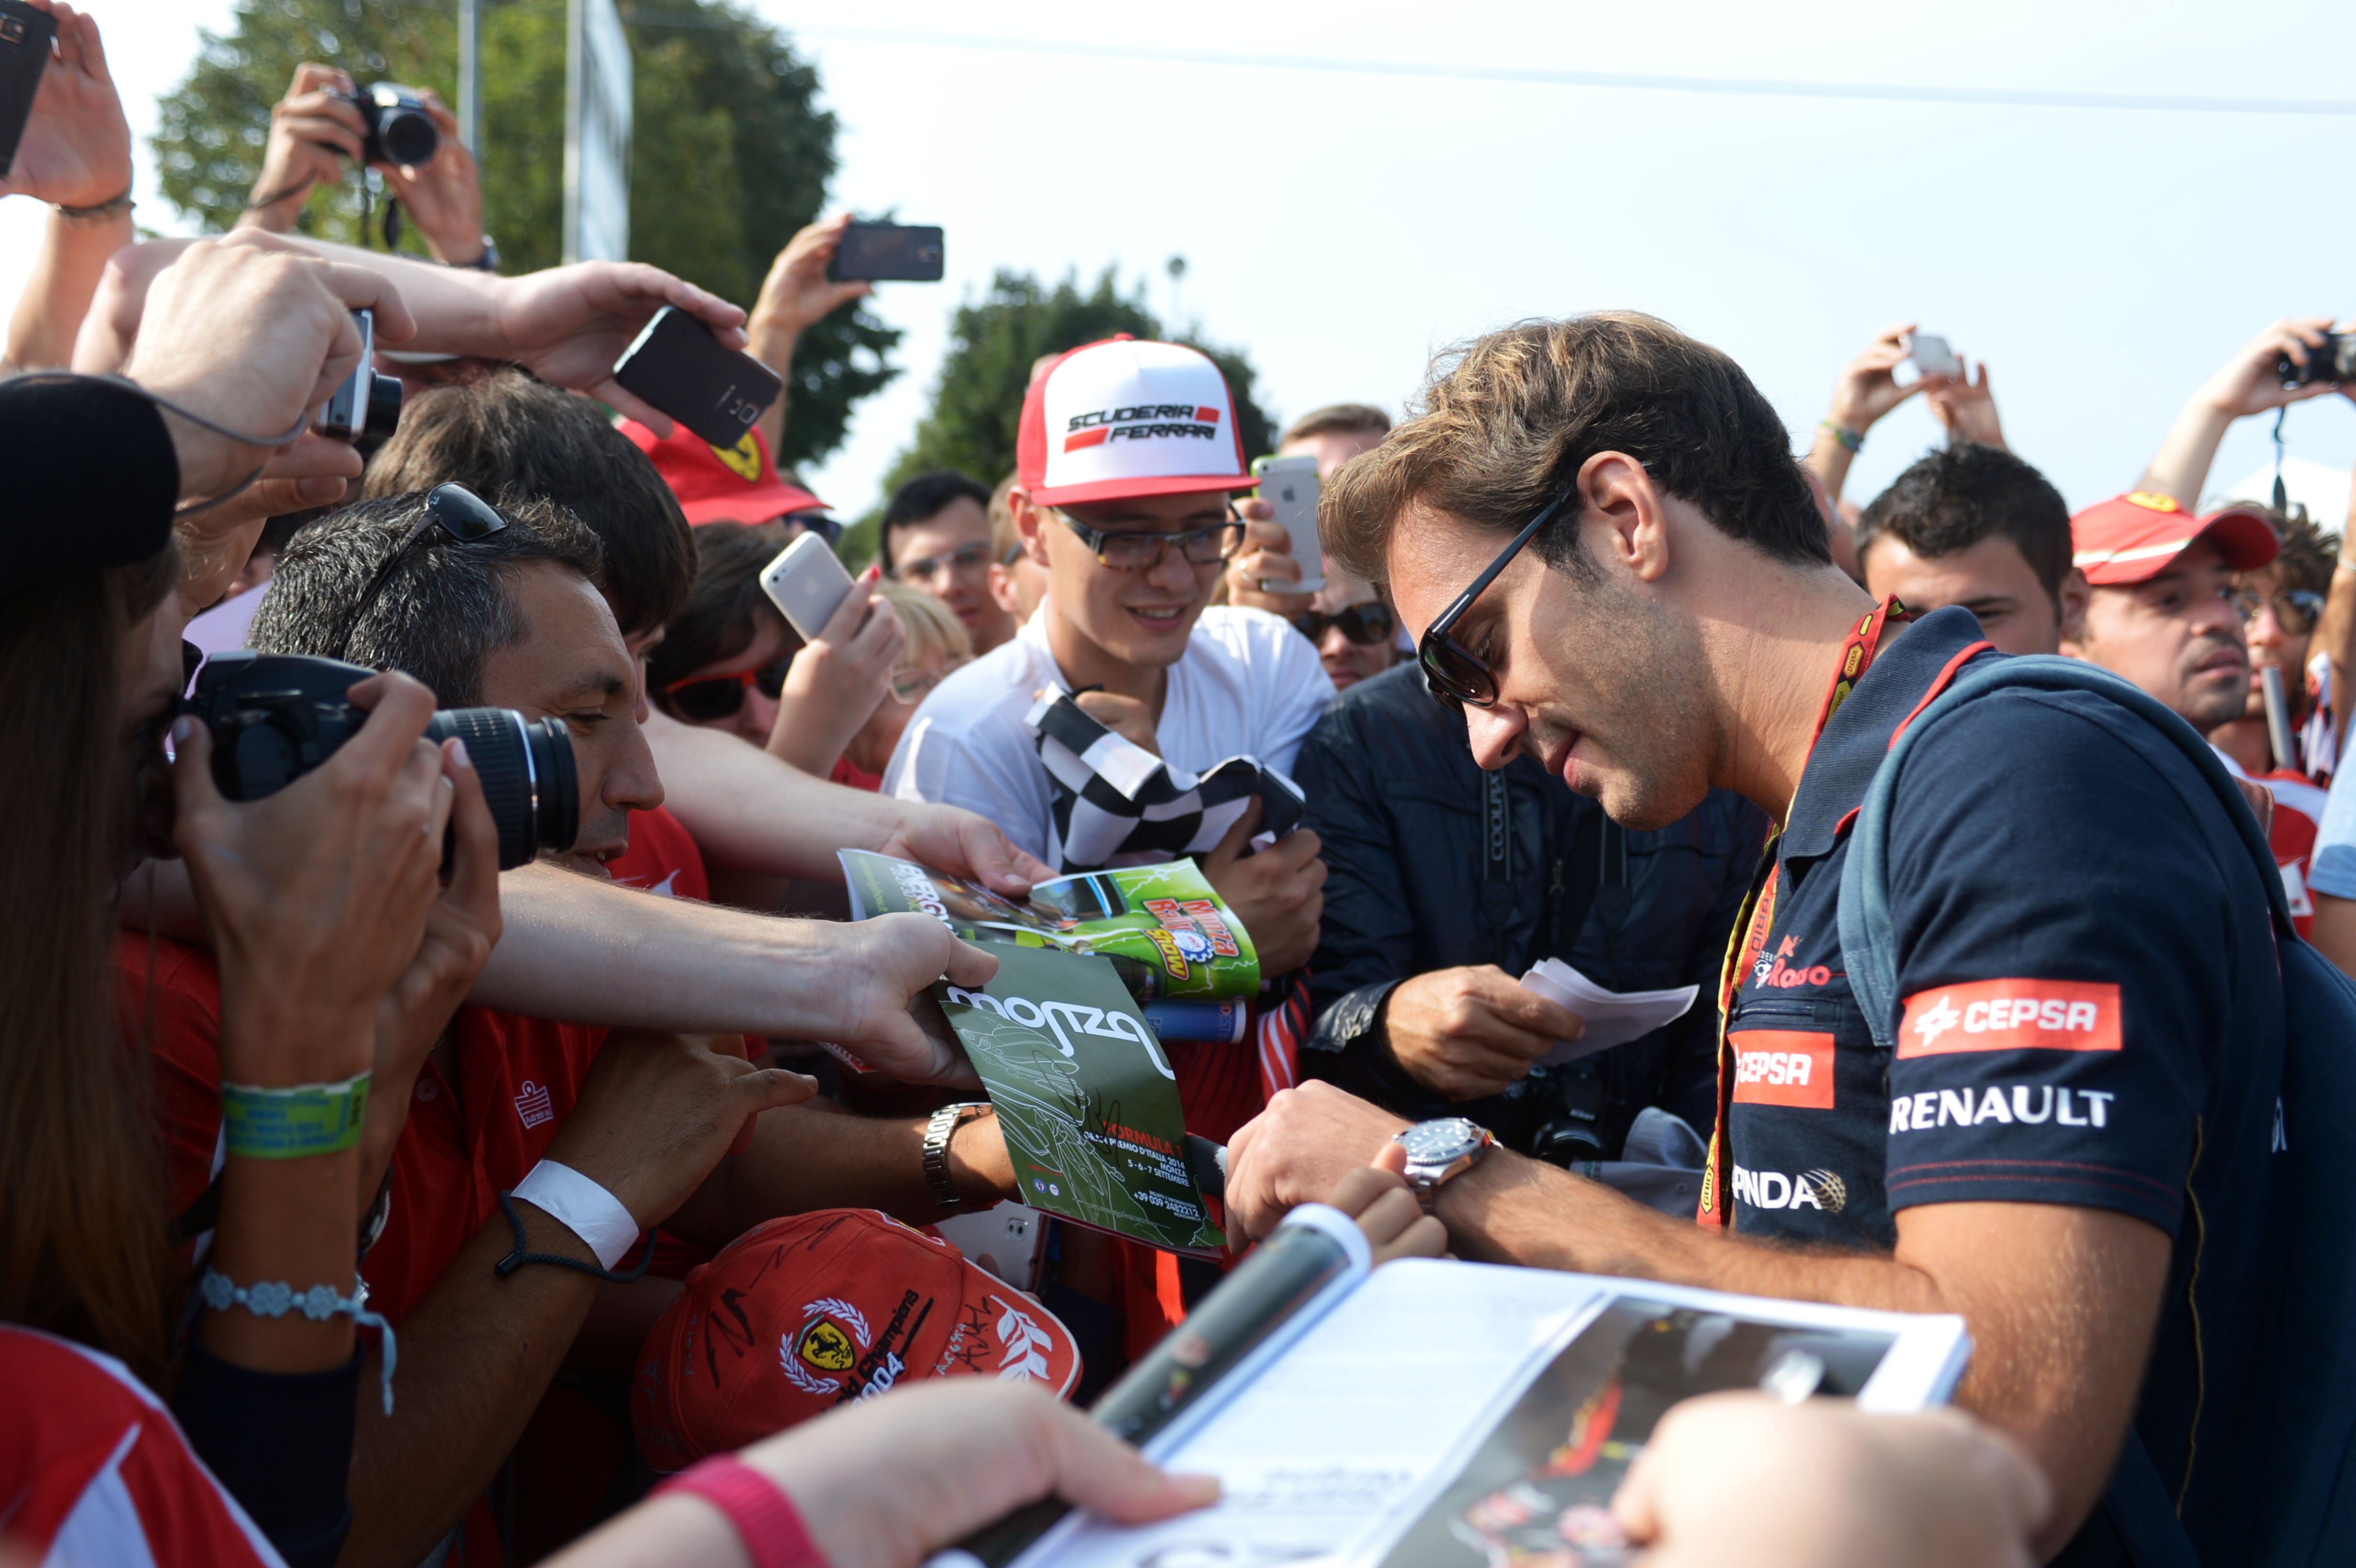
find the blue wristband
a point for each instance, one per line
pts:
(275, 1299)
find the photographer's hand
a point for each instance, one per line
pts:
(795, 296)
(1965, 410)
(568, 325)
(312, 130)
(444, 198)
(2244, 385)
(1266, 557)
(76, 149)
(1468, 1032)
(837, 681)
(1866, 391)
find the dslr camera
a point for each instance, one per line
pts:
(2335, 362)
(400, 131)
(274, 717)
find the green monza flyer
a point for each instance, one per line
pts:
(1166, 933)
(1086, 1098)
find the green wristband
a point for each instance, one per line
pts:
(290, 1123)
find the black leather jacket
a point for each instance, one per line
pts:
(1416, 885)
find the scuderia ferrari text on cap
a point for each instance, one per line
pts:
(1123, 417)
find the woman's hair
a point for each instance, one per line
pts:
(84, 1251)
(726, 607)
(932, 630)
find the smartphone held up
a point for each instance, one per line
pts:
(1288, 484)
(887, 252)
(676, 365)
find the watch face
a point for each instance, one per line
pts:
(1437, 1143)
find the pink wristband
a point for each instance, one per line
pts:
(763, 1515)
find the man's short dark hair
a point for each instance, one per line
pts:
(928, 495)
(1337, 418)
(443, 610)
(727, 605)
(509, 436)
(1505, 423)
(1952, 497)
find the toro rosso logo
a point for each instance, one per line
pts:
(2011, 1015)
(1140, 422)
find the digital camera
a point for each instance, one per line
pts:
(274, 717)
(400, 131)
(2335, 362)
(364, 403)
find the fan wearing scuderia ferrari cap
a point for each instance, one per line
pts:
(1612, 564)
(1125, 459)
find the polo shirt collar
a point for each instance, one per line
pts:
(1848, 753)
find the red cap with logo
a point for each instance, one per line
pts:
(1121, 418)
(735, 483)
(2133, 538)
(802, 1314)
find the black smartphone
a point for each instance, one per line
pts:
(25, 36)
(680, 368)
(887, 252)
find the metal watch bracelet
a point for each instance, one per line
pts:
(937, 1134)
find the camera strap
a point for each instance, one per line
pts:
(1496, 863)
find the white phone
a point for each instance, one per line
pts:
(1932, 355)
(1290, 484)
(807, 585)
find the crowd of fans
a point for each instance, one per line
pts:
(344, 1174)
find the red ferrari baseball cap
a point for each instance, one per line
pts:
(735, 483)
(2132, 538)
(1123, 418)
(802, 1314)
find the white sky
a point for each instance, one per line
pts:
(1339, 227)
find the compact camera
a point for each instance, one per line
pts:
(2335, 362)
(274, 717)
(364, 404)
(400, 131)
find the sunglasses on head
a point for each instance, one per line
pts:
(457, 512)
(1364, 625)
(710, 697)
(1452, 672)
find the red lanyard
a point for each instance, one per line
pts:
(1749, 938)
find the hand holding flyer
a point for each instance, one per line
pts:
(1613, 1017)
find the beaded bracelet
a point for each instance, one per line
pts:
(296, 1122)
(763, 1516)
(275, 1299)
(97, 212)
(1852, 439)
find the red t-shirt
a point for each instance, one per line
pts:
(2299, 816)
(93, 1468)
(662, 858)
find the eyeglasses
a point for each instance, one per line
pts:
(1364, 625)
(1142, 551)
(707, 699)
(916, 684)
(1452, 672)
(457, 512)
(2297, 610)
(954, 564)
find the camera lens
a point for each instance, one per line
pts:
(526, 766)
(383, 405)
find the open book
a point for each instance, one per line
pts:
(1434, 1414)
(1162, 927)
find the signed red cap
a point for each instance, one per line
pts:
(1121, 418)
(735, 483)
(800, 1315)
(2132, 538)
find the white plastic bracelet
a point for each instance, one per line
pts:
(587, 1209)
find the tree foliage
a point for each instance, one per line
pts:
(731, 153)
(978, 402)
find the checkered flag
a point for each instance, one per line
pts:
(1114, 798)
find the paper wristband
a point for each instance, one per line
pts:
(289, 1124)
(757, 1507)
(586, 1209)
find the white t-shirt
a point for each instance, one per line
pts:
(1248, 684)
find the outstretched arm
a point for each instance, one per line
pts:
(75, 154)
(2244, 385)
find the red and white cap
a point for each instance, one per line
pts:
(1123, 418)
(2133, 538)
(802, 1314)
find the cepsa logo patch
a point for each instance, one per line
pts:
(1141, 423)
(1783, 1067)
(2011, 1015)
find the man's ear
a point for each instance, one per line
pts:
(1620, 503)
(2075, 596)
(1030, 523)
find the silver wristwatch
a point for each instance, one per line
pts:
(937, 1133)
(1440, 1150)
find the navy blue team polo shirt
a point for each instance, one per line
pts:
(2082, 948)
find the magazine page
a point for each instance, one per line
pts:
(1086, 1097)
(1456, 1413)
(1166, 933)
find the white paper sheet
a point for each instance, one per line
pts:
(1613, 1017)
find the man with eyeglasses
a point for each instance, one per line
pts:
(937, 540)
(1615, 568)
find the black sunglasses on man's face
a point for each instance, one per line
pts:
(458, 512)
(1452, 672)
